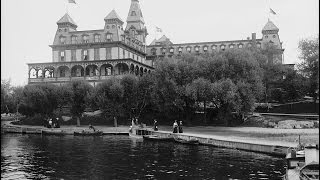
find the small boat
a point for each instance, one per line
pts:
(184, 141)
(157, 138)
(135, 136)
(88, 133)
(302, 164)
(53, 132)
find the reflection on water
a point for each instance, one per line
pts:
(121, 157)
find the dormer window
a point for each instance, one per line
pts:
(171, 50)
(109, 37)
(214, 47)
(62, 40)
(240, 46)
(231, 46)
(196, 48)
(97, 38)
(62, 56)
(154, 51)
(205, 48)
(85, 38)
(163, 51)
(74, 39)
(180, 50)
(85, 55)
(222, 47)
(189, 49)
(133, 13)
(133, 33)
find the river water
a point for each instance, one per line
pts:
(121, 157)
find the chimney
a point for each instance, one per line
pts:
(253, 36)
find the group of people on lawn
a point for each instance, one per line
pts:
(52, 123)
(177, 126)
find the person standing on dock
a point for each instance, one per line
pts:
(175, 126)
(180, 127)
(155, 125)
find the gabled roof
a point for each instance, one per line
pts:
(270, 26)
(66, 19)
(113, 15)
(135, 13)
(163, 38)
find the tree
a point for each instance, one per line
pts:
(79, 98)
(224, 98)
(109, 97)
(309, 67)
(201, 91)
(7, 103)
(64, 96)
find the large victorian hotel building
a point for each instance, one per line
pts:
(95, 55)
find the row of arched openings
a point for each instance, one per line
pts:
(89, 71)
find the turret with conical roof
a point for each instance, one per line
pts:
(270, 38)
(113, 16)
(135, 22)
(113, 26)
(270, 35)
(65, 25)
(67, 21)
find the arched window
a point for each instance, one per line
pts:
(171, 50)
(180, 50)
(214, 47)
(74, 39)
(231, 46)
(222, 47)
(196, 48)
(109, 37)
(240, 46)
(163, 51)
(205, 48)
(62, 40)
(189, 49)
(97, 38)
(85, 38)
(133, 13)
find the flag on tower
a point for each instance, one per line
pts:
(158, 29)
(272, 11)
(72, 1)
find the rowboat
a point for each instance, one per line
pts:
(303, 164)
(184, 141)
(157, 138)
(135, 136)
(88, 133)
(53, 132)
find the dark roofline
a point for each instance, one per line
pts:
(74, 32)
(205, 43)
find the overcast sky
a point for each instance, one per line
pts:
(29, 26)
